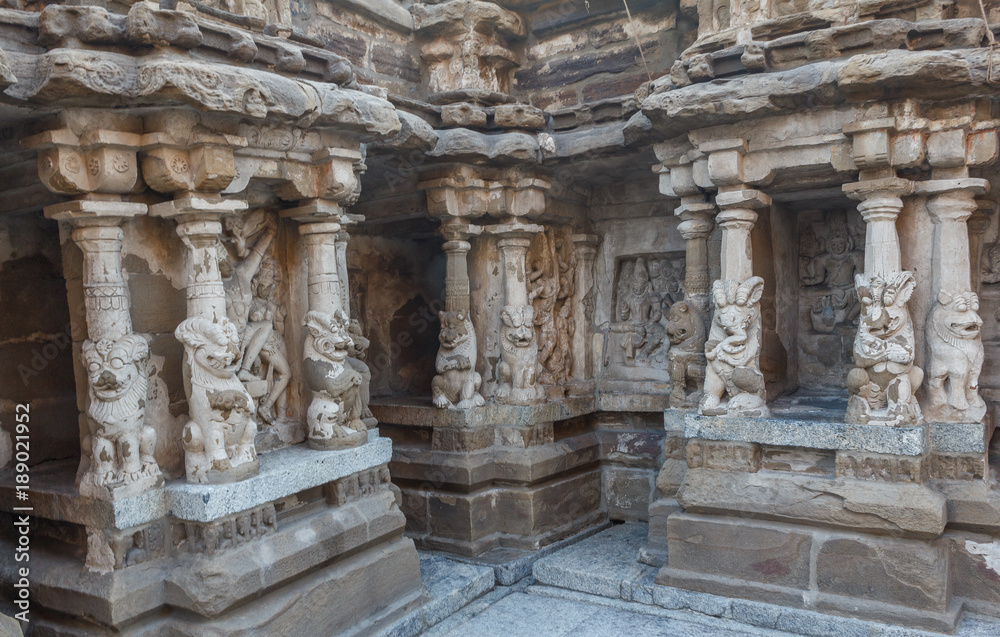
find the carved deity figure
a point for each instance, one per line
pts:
(252, 286)
(218, 440)
(118, 448)
(686, 330)
(640, 306)
(517, 368)
(733, 350)
(882, 384)
(457, 383)
(833, 270)
(543, 293)
(991, 273)
(335, 415)
(956, 359)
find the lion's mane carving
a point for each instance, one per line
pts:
(457, 383)
(519, 356)
(732, 351)
(335, 415)
(956, 359)
(882, 384)
(219, 437)
(118, 450)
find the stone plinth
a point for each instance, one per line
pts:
(803, 509)
(320, 532)
(518, 476)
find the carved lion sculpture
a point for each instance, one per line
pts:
(333, 382)
(956, 359)
(519, 359)
(686, 364)
(882, 384)
(118, 451)
(732, 351)
(457, 383)
(219, 438)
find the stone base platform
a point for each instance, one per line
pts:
(807, 511)
(604, 567)
(519, 477)
(312, 545)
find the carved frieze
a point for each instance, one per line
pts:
(226, 533)
(357, 486)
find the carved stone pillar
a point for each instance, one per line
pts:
(117, 450)
(583, 306)
(457, 382)
(117, 445)
(954, 342)
(219, 438)
(882, 384)
(516, 372)
(335, 418)
(734, 340)
(952, 333)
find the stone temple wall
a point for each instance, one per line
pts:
(292, 289)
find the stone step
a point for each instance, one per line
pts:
(450, 586)
(605, 566)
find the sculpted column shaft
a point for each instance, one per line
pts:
(325, 294)
(457, 382)
(338, 380)
(206, 296)
(456, 283)
(104, 289)
(512, 253)
(881, 386)
(219, 437)
(586, 254)
(953, 330)
(117, 450)
(686, 324)
(734, 341)
(516, 371)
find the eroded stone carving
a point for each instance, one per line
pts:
(335, 414)
(517, 369)
(457, 383)
(118, 452)
(732, 350)
(882, 384)
(686, 330)
(252, 290)
(956, 359)
(219, 438)
(229, 532)
(829, 262)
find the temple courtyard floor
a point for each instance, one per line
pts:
(593, 586)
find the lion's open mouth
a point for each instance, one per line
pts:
(968, 329)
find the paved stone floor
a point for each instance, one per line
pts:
(594, 587)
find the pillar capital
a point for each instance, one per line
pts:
(468, 192)
(202, 163)
(98, 161)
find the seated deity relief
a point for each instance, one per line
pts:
(117, 451)
(219, 437)
(336, 413)
(883, 383)
(734, 385)
(646, 290)
(828, 263)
